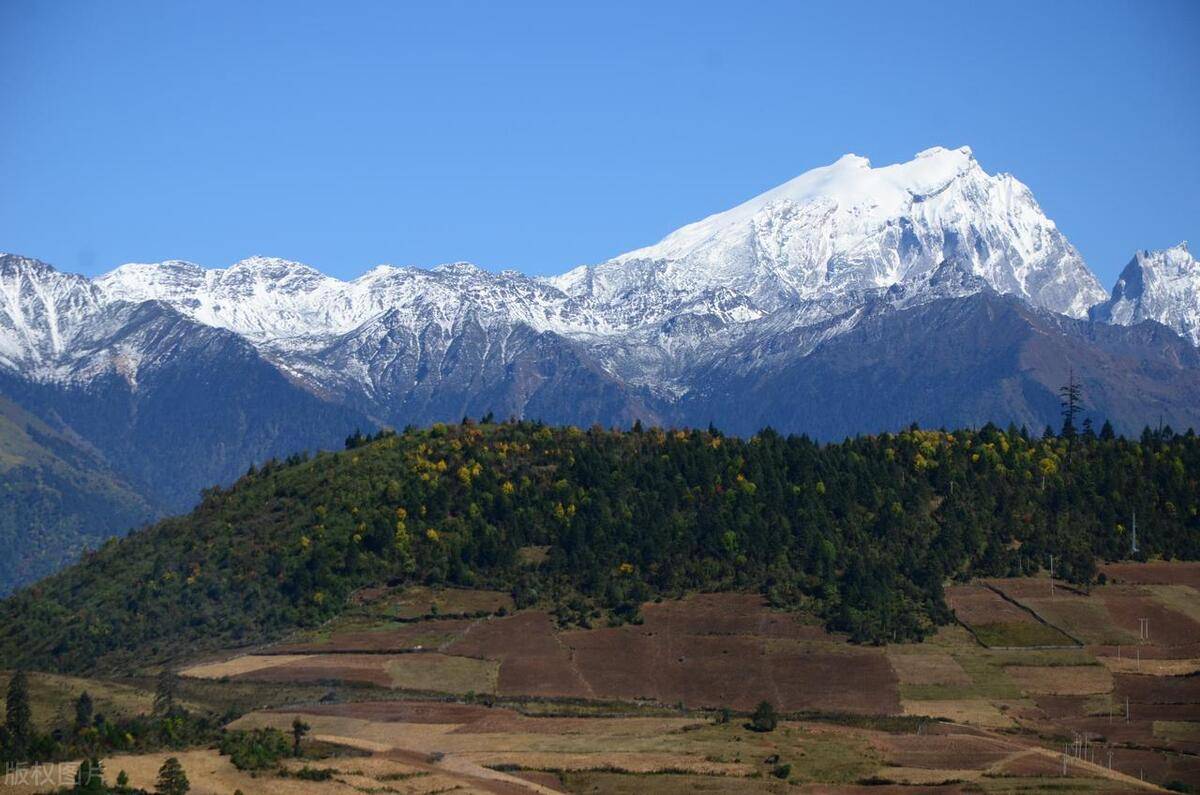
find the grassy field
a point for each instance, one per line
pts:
(420, 601)
(506, 702)
(1015, 634)
(212, 774)
(444, 673)
(52, 697)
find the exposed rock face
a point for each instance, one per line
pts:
(1157, 285)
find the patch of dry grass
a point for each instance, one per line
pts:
(1058, 680)
(1181, 598)
(642, 745)
(928, 669)
(1177, 730)
(1085, 618)
(976, 712)
(244, 664)
(443, 673)
(607, 783)
(1129, 664)
(418, 601)
(52, 697)
(212, 774)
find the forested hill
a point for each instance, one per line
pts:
(864, 532)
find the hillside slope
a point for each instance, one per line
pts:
(864, 532)
(57, 498)
(174, 406)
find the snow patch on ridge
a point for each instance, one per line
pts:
(807, 254)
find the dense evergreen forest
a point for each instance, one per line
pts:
(864, 533)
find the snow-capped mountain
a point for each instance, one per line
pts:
(849, 299)
(271, 300)
(1157, 285)
(812, 249)
(743, 291)
(41, 311)
(847, 228)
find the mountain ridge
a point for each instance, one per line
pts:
(804, 260)
(848, 300)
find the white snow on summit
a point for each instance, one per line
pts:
(811, 252)
(1158, 285)
(270, 300)
(40, 311)
(876, 194)
(847, 227)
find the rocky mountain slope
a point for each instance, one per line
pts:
(954, 362)
(1157, 285)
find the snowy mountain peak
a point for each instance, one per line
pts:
(849, 184)
(271, 267)
(168, 270)
(11, 263)
(941, 151)
(460, 268)
(849, 227)
(1157, 285)
(816, 252)
(851, 160)
(40, 308)
(380, 272)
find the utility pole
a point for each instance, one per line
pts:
(1133, 547)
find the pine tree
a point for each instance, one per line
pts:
(299, 729)
(90, 776)
(18, 716)
(172, 780)
(164, 694)
(83, 712)
(1070, 396)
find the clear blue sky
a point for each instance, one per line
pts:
(541, 136)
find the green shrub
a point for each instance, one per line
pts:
(315, 773)
(257, 749)
(764, 718)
